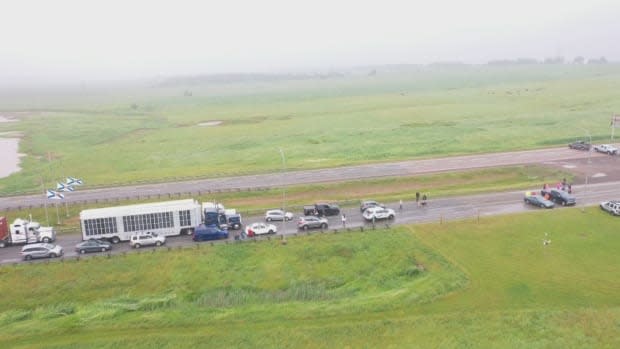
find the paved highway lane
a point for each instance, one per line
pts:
(451, 208)
(276, 180)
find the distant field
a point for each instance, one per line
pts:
(126, 134)
(490, 283)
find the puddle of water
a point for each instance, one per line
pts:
(9, 157)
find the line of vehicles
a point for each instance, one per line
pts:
(600, 148)
(149, 224)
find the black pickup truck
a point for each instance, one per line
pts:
(321, 209)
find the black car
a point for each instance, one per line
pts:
(322, 209)
(560, 197)
(93, 246)
(580, 145)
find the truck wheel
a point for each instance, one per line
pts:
(52, 255)
(47, 240)
(137, 245)
(158, 243)
(82, 251)
(271, 232)
(103, 249)
(323, 226)
(268, 219)
(563, 203)
(305, 227)
(116, 240)
(391, 217)
(2, 244)
(28, 257)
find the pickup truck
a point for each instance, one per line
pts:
(321, 209)
(606, 148)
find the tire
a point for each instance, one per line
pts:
(268, 219)
(391, 217)
(116, 240)
(541, 205)
(82, 251)
(271, 232)
(305, 227)
(563, 203)
(53, 255)
(158, 243)
(28, 257)
(103, 249)
(136, 246)
(236, 226)
(2, 244)
(324, 226)
(47, 240)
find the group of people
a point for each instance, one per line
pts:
(563, 185)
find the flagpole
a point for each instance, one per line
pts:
(47, 217)
(57, 214)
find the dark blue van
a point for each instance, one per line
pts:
(209, 232)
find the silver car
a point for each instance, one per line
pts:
(145, 239)
(42, 250)
(278, 215)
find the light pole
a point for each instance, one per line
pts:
(283, 191)
(585, 190)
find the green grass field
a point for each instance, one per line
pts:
(95, 133)
(481, 284)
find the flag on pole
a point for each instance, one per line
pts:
(64, 187)
(73, 181)
(52, 195)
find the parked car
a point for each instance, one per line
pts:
(534, 198)
(260, 229)
(41, 250)
(560, 197)
(146, 239)
(209, 232)
(369, 203)
(378, 213)
(613, 207)
(321, 209)
(93, 245)
(580, 145)
(606, 148)
(278, 215)
(312, 222)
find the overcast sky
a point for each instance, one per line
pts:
(84, 39)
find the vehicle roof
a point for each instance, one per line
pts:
(39, 244)
(163, 206)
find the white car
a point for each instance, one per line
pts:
(613, 207)
(378, 213)
(260, 229)
(606, 148)
(278, 215)
(146, 239)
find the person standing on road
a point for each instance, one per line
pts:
(424, 200)
(400, 204)
(344, 220)
(417, 198)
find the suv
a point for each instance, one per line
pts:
(369, 203)
(277, 215)
(559, 197)
(310, 222)
(606, 148)
(580, 145)
(209, 232)
(42, 250)
(321, 209)
(613, 207)
(145, 239)
(377, 212)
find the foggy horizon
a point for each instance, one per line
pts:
(69, 40)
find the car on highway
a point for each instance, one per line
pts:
(209, 232)
(146, 239)
(278, 215)
(93, 245)
(369, 203)
(580, 145)
(612, 207)
(41, 250)
(312, 222)
(378, 213)
(606, 148)
(560, 197)
(535, 199)
(260, 229)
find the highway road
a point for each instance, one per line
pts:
(277, 180)
(452, 208)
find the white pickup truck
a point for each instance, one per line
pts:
(606, 148)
